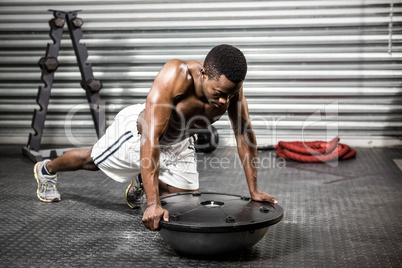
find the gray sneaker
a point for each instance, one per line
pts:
(47, 191)
(135, 193)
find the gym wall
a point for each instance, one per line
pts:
(317, 69)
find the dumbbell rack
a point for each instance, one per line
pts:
(48, 65)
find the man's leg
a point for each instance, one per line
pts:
(181, 172)
(135, 193)
(46, 171)
(72, 160)
(165, 189)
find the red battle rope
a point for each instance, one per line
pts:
(315, 151)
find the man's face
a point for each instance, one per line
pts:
(219, 92)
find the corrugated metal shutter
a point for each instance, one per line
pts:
(305, 58)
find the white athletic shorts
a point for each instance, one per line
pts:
(117, 153)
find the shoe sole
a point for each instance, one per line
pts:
(37, 191)
(127, 194)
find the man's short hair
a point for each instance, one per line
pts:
(227, 60)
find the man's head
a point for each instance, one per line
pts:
(225, 69)
(228, 61)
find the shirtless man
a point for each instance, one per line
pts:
(156, 139)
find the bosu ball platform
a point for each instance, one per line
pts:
(214, 223)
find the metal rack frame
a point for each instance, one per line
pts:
(49, 65)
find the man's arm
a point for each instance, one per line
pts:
(169, 83)
(246, 145)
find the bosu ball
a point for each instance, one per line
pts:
(214, 223)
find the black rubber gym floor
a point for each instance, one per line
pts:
(347, 215)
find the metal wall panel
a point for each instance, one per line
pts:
(316, 68)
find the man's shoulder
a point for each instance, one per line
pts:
(178, 75)
(181, 66)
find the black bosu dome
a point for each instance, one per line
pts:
(212, 223)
